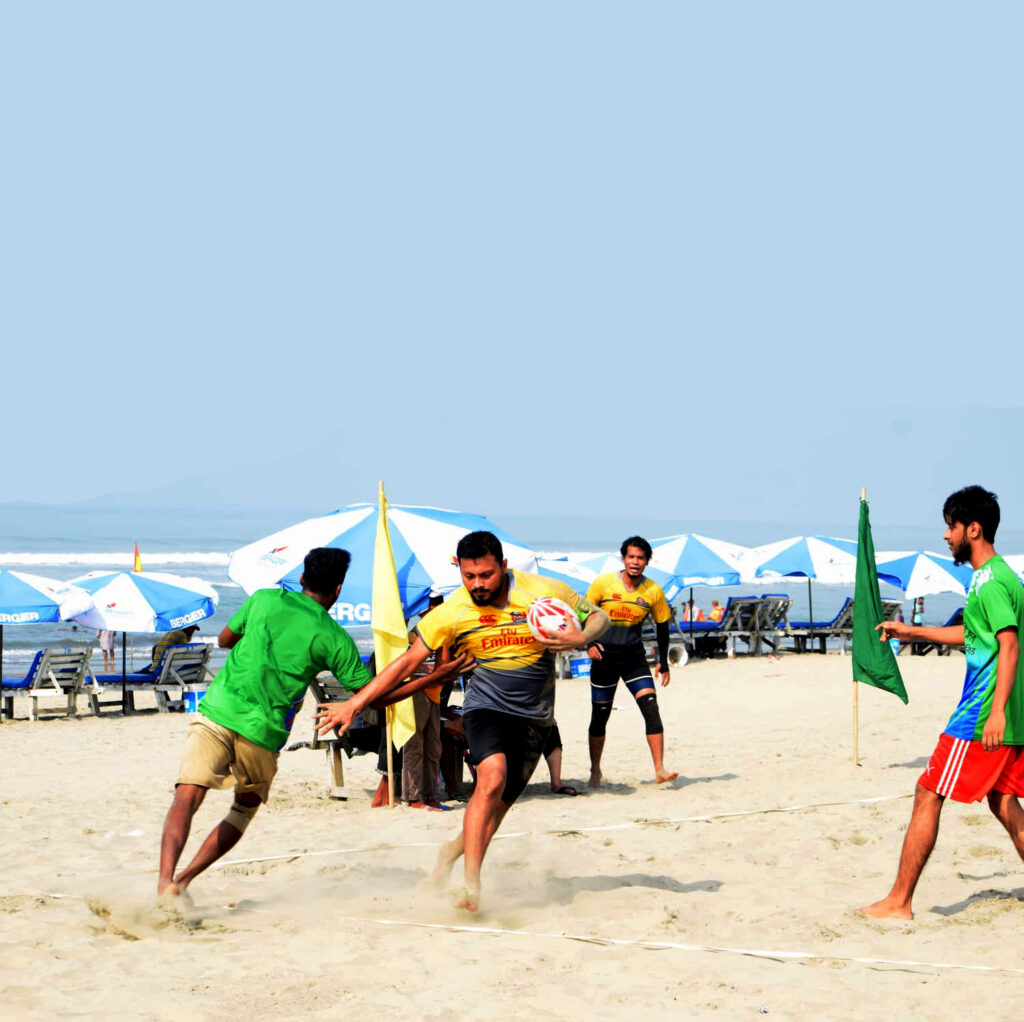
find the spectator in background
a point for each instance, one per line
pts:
(105, 637)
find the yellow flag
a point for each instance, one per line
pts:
(138, 560)
(390, 634)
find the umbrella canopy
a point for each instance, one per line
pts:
(822, 558)
(922, 573)
(698, 560)
(604, 564)
(1016, 563)
(423, 540)
(572, 573)
(145, 601)
(30, 599)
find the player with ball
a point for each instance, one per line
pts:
(511, 623)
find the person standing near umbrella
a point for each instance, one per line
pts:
(279, 641)
(627, 597)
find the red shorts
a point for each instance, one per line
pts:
(963, 771)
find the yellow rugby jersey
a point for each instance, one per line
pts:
(514, 672)
(626, 609)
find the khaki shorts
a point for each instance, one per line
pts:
(217, 757)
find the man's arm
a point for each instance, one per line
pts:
(227, 638)
(1006, 675)
(951, 636)
(596, 624)
(661, 630)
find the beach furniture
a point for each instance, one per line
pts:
(355, 742)
(772, 618)
(739, 621)
(843, 630)
(179, 667)
(818, 632)
(923, 648)
(53, 672)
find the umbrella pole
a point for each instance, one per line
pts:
(1, 667)
(691, 620)
(124, 674)
(810, 615)
(389, 718)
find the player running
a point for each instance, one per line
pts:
(627, 597)
(509, 705)
(981, 751)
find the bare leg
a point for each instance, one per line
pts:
(483, 817)
(1007, 810)
(187, 799)
(657, 747)
(554, 762)
(917, 846)
(596, 750)
(221, 839)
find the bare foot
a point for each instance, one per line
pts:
(661, 776)
(466, 898)
(887, 908)
(446, 857)
(595, 779)
(169, 889)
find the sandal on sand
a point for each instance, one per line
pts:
(565, 790)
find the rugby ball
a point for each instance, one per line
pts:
(549, 616)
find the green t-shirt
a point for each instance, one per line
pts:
(995, 601)
(286, 640)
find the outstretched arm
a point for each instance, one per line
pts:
(951, 636)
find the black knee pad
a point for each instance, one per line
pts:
(599, 714)
(652, 718)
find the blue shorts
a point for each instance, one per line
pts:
(628, 663)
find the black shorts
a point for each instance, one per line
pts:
(628, 663)
(519, 739)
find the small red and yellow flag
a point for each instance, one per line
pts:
(138, 560)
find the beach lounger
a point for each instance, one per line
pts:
(924, 648)
(178, 667)
(739, 621)
(53, 672)
(843, 631)
(804, 632)
(327, 689)
(773, 618)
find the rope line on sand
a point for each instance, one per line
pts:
(627, 825)
(667, 945)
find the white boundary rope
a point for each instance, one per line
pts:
(666, 945)
(627, 825)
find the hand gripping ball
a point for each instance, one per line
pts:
(548, 617)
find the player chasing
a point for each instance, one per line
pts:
(981, 751)
(627, 597)
(279, 642)
(509, 705)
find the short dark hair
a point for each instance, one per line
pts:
(475, 545)
(973, 504)
(324, 569)
(640, 543)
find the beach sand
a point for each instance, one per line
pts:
(336, 920)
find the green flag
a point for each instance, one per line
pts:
(873, 660)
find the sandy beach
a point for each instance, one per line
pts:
(336, 918)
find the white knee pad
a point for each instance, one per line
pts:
(241, 816)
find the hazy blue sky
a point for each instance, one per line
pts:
(716, 260)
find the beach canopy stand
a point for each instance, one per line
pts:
(141, 601)
(423, 540)
(27, 599)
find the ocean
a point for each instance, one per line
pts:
(65, 542)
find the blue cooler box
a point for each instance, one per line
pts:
(579, 667)
(191, 697)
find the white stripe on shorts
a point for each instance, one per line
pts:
(951, 773)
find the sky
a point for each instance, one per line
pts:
(685, 260)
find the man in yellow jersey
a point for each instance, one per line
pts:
(510, 699)
(627, 597)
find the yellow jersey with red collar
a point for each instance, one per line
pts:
(514, 672)
(627, 610)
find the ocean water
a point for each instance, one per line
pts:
(66, 542)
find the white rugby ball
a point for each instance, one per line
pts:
(549, 616)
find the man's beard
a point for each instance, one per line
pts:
(962, 553)
(483, 600)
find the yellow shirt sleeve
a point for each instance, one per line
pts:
(660, 610)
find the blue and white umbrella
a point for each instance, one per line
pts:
(33, 599)
(571, 572)
(823, 558)
(145, 601)
(698, 560)
(922, 573)
(423, 540)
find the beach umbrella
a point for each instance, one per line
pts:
(423, 540)
(823, 558)
(572, 573)
(923, 573)
(143, 601)
(1016, 564)
(698, 560)
(605, 564)
(33, 599)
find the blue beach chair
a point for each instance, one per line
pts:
(53, 672)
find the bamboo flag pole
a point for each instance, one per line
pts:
(856, 691)
(389, 716)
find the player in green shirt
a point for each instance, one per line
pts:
(279, 642)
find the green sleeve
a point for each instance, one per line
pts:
(343, 660)
(995, 602)
(237, 622)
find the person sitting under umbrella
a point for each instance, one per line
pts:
(175, 637)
